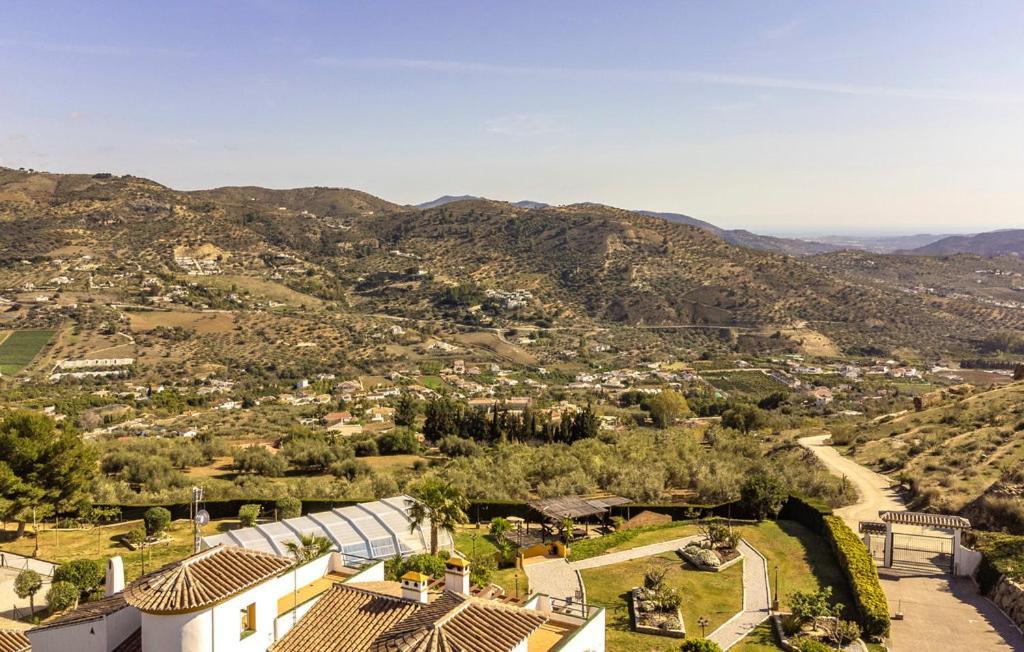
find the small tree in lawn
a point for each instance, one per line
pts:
(156, 519)
(438, 502)
(499, 528)
(26, 585)
(810, 606)
(719, 535)
(86, 574)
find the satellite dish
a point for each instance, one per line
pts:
(202, 517)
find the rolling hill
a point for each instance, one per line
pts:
(584, 265)
(993, 243)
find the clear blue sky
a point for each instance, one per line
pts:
(775, 116)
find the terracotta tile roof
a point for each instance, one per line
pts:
(346, 619)
(355, 619)
(131, 644)
(203, 580)
(458, 623)
(88, 611)
(12, 641)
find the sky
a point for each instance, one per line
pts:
(779, 117)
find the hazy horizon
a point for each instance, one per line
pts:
(797, 117)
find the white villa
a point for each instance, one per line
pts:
(230, 598)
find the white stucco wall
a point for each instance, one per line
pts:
(101, 635)
(190, 632)
(374, 573)
(590, 637)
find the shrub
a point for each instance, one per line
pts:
(654, 578)
(288, 507)
(156, 519)
(856, 562)
(62, 596)
(810, 645)
(136, 536)
(699, 645)
(400, 441)
(86, 574)
(762, 495)
(258, 460)
(247, 514)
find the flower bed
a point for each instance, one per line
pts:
(709, 559)
(649, 618)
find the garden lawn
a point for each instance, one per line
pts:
(102, 543)
(716, 596)
(506, 578)
(761, 639)
(803, 559)
(627, 539)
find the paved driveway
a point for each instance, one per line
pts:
(941, 613)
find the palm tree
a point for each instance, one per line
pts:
(440, 503)
(308, 547)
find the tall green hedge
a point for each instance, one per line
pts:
(851, 555)
(856, 561)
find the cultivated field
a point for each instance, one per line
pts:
(19, 348)
(200, 322)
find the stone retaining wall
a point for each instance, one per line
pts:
(1009, 596)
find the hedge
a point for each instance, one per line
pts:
(852, 556)
(479, 510)
(856, 561)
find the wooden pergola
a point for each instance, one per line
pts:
(556, 510)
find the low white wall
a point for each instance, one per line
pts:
(589, 637)
(101, 635)
(968, 562)
(374, 573)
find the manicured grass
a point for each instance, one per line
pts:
(626, 539)
(432, 382)
(715, 596)
(20, 347)
(484, 545)
(803, 559)
(103, 543)
(760, 640)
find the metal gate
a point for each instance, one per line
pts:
(923, 552)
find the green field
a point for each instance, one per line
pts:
(752, 383)
(19, 348)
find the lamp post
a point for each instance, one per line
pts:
(775, 595)
(703, 622)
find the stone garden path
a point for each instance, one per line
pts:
(560, 579)
(756, 600)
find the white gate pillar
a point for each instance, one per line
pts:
(888, 545)
(957, 552)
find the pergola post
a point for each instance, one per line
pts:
(888, 544)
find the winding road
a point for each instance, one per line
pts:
(941, 612)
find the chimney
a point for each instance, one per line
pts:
(414, 587)
(115, 576)
(456, 575)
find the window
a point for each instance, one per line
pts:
(248, 621)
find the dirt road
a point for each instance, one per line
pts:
(941, 613)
